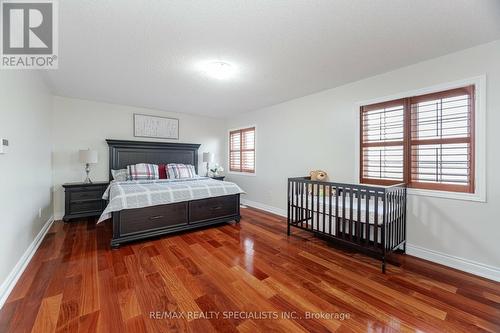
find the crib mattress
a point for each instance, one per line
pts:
(312, 201)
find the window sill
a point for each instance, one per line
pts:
(478, 197)
(242, 173)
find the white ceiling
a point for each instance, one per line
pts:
(145, 53)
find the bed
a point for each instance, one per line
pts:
(145, 209)
(371, 219)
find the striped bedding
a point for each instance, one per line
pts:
(144, 193)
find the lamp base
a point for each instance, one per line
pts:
(87, 170)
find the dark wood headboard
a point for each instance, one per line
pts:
(123, 153)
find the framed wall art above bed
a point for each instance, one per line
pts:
(156, 127)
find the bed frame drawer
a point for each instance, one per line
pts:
(206, 209)
(151, 218)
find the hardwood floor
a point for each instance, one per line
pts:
(245, 277)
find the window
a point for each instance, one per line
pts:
(424, 141)
(242, 150)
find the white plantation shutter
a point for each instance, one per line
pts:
(424, 141)
(242, 150)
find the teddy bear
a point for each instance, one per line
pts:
(321, 176)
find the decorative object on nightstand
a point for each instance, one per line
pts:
(88, 157)
(83, 199)
(218, 177)
(216, 171)
(208, 158)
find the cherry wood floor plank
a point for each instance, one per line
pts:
(220, 279)
(48, 313)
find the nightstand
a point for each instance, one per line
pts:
(218, 177)
(83, 199)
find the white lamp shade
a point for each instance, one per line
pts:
(208, 157)
(88, 156)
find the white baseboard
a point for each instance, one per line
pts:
(267, 208)
(469, 266)
(466, 265)
(58, 216)
(17, 271)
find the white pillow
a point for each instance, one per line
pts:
(119, 175)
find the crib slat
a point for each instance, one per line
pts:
(296, 198)
(311, 211)
(359, 230)
(343, 213)
(337, 219)
(351, 223)
(307, 201)
(367, 217)
(395, 216)
(291, 201)
(384, 223)
(300, 190)
(401, 216)
(310, 219)
(398, 214)
(389, 220)
(313, 205)
(404, 215)
(324, 207)
(391, 229)
(330, 210)
(316, 226)
(301, 201)
(302, 211)
(375, 222)
(288, 206)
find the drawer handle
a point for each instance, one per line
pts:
(216, 208)
(156, 217)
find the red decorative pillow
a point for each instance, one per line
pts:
(162, 171)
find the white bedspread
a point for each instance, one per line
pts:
(145, 193)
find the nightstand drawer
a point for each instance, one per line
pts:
(86, 207)
(85, 195)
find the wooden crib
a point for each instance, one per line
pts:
(371, 219)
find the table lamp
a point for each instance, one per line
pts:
(88, 157)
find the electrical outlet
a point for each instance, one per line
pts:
(4, 143)
(39, 213)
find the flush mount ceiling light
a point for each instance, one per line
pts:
(219, 70)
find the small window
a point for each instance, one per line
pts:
(424, 141)
(242, 150)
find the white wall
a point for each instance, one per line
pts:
(25, 171)
(80, 124)
(319, 132)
